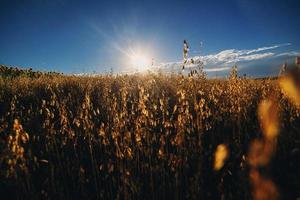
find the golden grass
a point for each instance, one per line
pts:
(143, 136)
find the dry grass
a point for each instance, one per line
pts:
(148, 137)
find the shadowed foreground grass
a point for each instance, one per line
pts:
(145, 137)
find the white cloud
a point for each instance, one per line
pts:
(226, 58)
(217, 69)
(290, 53)
(251, 57)
(267, 48)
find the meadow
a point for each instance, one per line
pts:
(150, 136)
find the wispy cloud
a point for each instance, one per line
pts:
(266, 48)
(251, 57)
(217, 69)
(231, 56)
(226, 58)
(290, 53)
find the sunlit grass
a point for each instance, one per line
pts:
(146, 136)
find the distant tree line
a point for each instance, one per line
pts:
(13, 72)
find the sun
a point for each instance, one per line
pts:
(140, 61)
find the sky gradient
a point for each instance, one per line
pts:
(95, 36)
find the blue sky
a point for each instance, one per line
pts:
(73, 36)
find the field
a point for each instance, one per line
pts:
(148, 136)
